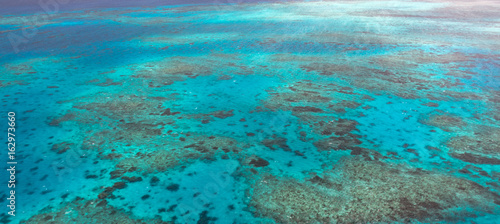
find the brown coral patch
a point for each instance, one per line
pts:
(108, 82)
(139, 130)
(275, 143)
(257, 161)
(335, 126)
(359, 191)
(304, 92)
(61, 147)
(306, 109)
(304, 204)
(86, 211)
(347, 142)
(400, 81)
(57, 121)
(476, 159)
(197, 147)
(341, 107)
(328, 68)
(167, 112)
(485, 140)
(118, 107)
(174, 67)
(442, 120)
(343, 137)
(223, 114)
(157, 161)
(372, 182)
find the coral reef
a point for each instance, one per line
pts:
(481, 147)
(357, 191)
(289, 201)
(87, 211)
(169, 70)
(445, 121)
(256, 112)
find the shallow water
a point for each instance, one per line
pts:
(284, 112)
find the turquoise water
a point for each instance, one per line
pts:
(259, 112)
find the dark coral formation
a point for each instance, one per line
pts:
(62, 147)
(22, 73)
(482, 147)
(257, 161)
(357, 191)
(276, 143)
(445, 121)
(348, 142)
(395, 74)
(120, 106)
(476, 159)
(337, 126)
(413, 193)
(170, 70)
(162, 160)
(312, 97)
(485, 140)
(87, 211)
(337, 134)
(139, 123)
(289, 201)
(306, 109)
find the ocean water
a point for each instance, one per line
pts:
(252, 111)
